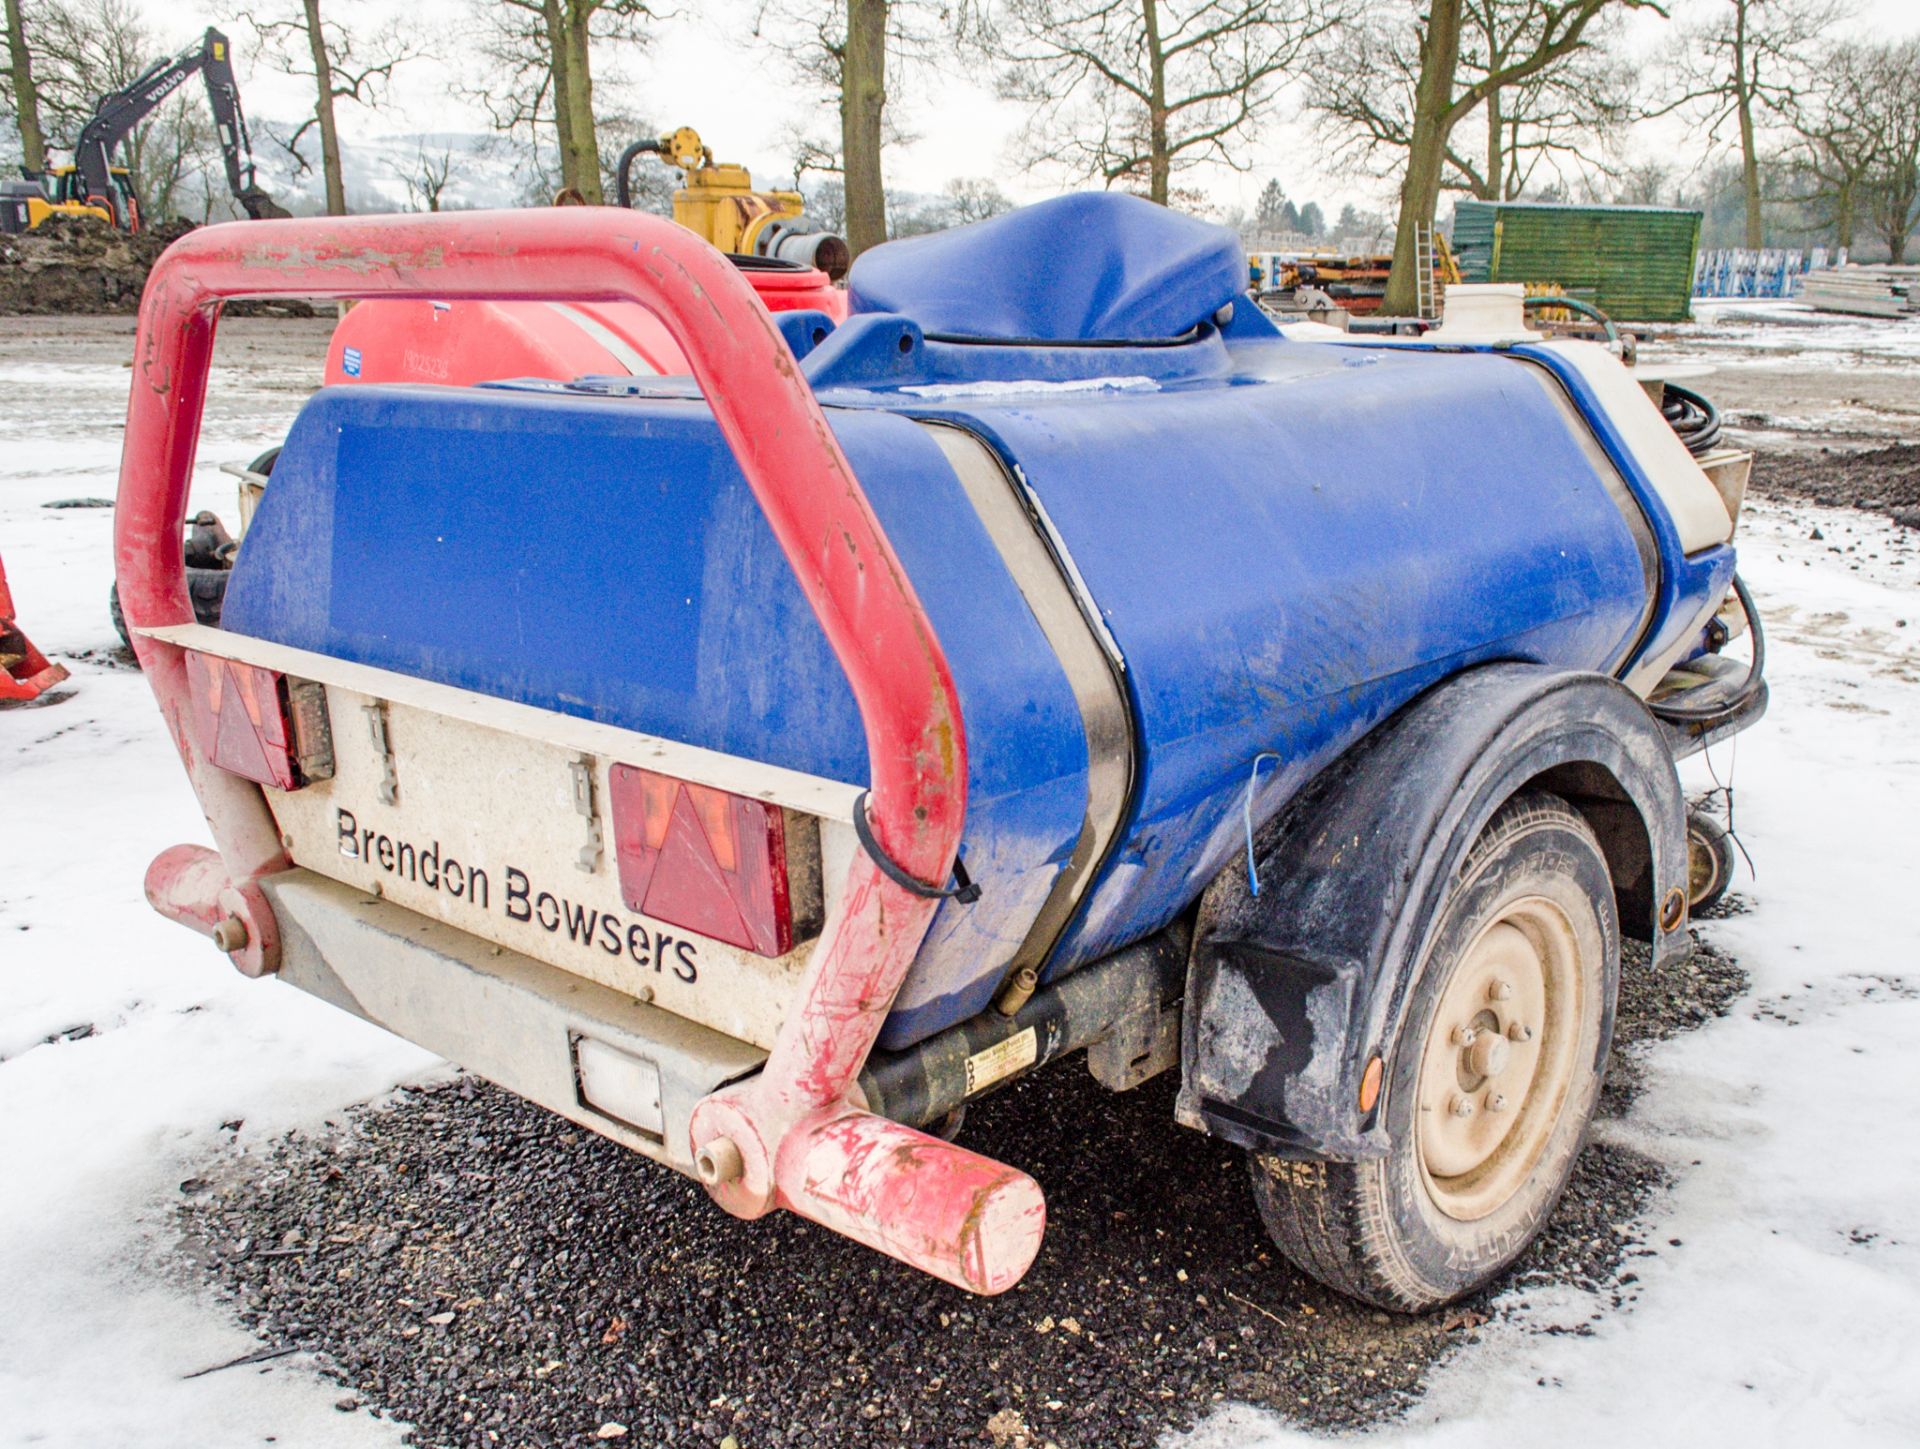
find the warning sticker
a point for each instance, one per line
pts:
(1002, 1059)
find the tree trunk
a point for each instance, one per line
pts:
(1743, 107)
(1843, 213)
(1426, 153)
(1159, 160)
(1902, 191)
(323, 112)
(582, 134)
(1496, 151)
(554, 17)
(863, 100)
(26, 95)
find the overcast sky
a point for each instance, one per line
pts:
(702, 70)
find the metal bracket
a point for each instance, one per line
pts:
(583, 803)
(1139, 1048)
(377, 727)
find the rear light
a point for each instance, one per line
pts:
(730, 868)
(259, 724)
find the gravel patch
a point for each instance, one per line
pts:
(494, 1276)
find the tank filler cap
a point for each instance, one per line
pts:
(1484, 313)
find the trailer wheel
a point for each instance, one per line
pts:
(1710, 861)
(1490, 1087)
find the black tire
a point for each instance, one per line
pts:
(1710, 861)
(206, 587)
(1391, 1232)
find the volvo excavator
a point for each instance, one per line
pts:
(93, 186)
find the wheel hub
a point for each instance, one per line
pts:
(1498, 1060)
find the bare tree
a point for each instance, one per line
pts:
(1839, 144)
(1554, 125)
(1132, 92)
(1894, 190)
(961, 202)
(539, 57)
(827, 205)
(1558, 124)
(23, 96)
(86, 48)
(844, 50)
(974, 198)
(1745, 63)
(178, 160)
(345, 63)
(1449, 62)
(429, 178)
(1641, 183)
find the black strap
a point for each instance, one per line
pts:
(962, 890)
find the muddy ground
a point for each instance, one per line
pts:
(81, 266)
(1881, 480)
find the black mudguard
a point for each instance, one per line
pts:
(1292, 992)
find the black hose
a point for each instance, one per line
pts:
(1693, 417)
(1713, 714)
(1574, 304)
(622, 185)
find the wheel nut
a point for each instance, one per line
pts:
(1460, 1106)
(1519, 1031)
(1463, 1036)
(1496, 1102)
(1500, 991)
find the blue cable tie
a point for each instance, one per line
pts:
(1246, 815)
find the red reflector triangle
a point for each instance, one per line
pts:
(688, 886)
(239, 747)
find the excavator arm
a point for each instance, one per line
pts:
(119, 112)
(223, 95)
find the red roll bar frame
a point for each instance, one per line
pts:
(793, 1136)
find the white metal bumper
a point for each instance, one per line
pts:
(572, 1045)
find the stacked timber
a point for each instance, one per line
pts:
(1864, 291)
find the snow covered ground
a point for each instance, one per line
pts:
(1783, 1305)
(128, 1048)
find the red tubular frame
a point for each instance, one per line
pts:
(792, 1136)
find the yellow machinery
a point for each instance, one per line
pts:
(25, 204)
(717, 200)
(93, 186)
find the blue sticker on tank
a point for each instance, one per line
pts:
(350, 361)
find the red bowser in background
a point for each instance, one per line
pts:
(791, 266)
(794, 270)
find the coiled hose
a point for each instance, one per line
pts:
(1693, 417)
(1712, 714)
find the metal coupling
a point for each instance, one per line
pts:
(719, 1161)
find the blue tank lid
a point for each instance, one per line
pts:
(1094, 267)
